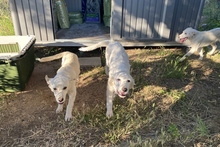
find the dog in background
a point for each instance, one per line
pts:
(117, 68)
(198, 40)
(64, 82)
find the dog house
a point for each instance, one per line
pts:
(132, 22)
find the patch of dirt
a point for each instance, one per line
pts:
(24, 112)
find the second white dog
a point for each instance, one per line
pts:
(118, 69)
(199, 39)
(64, 83)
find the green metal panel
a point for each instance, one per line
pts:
(9, 48)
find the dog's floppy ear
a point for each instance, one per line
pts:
(192, 32)
(47, 79)
(111, 81)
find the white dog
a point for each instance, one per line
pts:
(200, 39)
(118, 69)
(64, 83)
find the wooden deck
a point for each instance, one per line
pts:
(88, 34)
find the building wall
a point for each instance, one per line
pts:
(142, 20)
(153, 19)
(32, 17)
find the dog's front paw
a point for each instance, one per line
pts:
(200, 58)
(68, 117)
(59, 109)
(109, 114)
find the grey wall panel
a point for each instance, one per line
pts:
(145, 19)
(127, 18)
(33, 18)
(14, 16)
(146, 7)
(116, 19)
(48, 19)
(139, 21)
(155, 19)
(186, 15)
(167, 17)
(41, 18)
(28, 17)
(36, 22)
(21, 17)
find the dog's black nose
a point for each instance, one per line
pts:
(125, 89)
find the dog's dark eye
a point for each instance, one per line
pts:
(185, 33)
(54, 88)
(128, 81)
(64, 88)
(118, 79)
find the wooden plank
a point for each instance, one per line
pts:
(90, 61)
(48, 20)
(125, 43)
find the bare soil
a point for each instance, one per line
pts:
(22, 113)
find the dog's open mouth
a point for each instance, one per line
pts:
(121, 95)
(60, 102)
(183, 39)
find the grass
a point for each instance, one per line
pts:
(168, 107)
(5, 19)
(160, 111)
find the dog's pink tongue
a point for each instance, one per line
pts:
(182, 40)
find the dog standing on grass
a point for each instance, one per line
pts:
(117, 68)
(199, 39)
(64, 83)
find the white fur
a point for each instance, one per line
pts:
(199, 39)
(64, 83)
(118, 69)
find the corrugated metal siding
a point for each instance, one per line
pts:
(187, 14)
(33, 17)
(143, 19)
(153, 19)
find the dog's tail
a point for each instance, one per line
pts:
(51, 58)
(95, 46)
